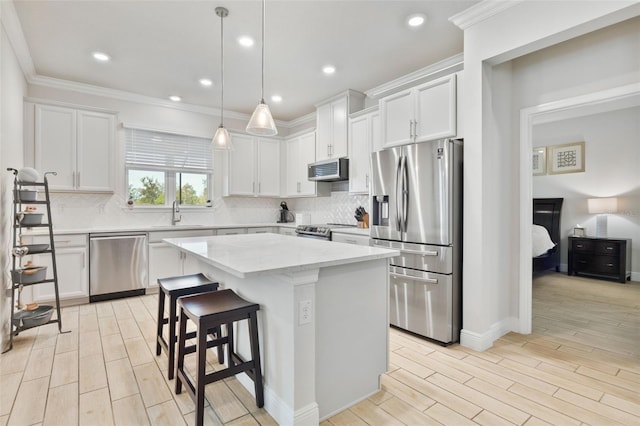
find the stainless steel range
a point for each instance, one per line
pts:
(321, 232)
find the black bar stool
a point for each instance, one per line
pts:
(207, 311)
(174, 287)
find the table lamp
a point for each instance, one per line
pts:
(602, 207)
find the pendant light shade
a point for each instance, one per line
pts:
(261, 122)
(222, 139)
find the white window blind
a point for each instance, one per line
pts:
(158, 150)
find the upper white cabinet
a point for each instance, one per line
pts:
(253, 167)
(77, 144)
(364, 138)
(301, 150)
(422, 113)
(332, 120)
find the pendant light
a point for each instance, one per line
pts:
(261, 123)
(222, 140)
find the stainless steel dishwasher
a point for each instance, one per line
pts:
(118, 265)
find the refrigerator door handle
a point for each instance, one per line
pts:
(411, 277)
(398, 194)
(405, 193)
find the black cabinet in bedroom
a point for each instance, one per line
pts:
(600, 257)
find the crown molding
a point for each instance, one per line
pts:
(13, 28)
(305, 119)
(481, 11)
(446, 66)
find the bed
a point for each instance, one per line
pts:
(546, 214)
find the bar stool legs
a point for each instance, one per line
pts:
(208, 310)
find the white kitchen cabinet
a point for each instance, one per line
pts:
(231, 231)
(422, 113)
(72, 266)
(300, 151)
(332, 120)
(287, 231)
(78, 145)
(364, 133)
(253, 167)
(260, 230)
(362, 240)
(167, 261)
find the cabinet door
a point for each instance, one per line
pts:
(241, 166)
(396, 114)
(287, 231)
(292, 185)
(339, 129)
(231, 231)
(359, 152)
(164, 261)
(55, 145)
(324, 132)
(375, 132)
(95, 149)
(268, 167)
(435, 109)
(73, 275)
(306, 155)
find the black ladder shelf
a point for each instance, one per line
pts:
(20, 250)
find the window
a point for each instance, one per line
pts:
(163, 167)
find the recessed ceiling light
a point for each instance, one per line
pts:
(276, 98)
(328, 69)
(100, 56)
(175, 98)
(206, 82)
(416, 19)
(246, 41)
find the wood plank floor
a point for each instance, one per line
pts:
(580, 366)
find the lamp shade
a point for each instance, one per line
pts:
(261, 123)
(602, 205)
(222, 140)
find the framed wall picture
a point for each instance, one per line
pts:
(566, 158)
(539, 161)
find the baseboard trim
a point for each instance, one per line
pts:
(482, 341)
(279, 410)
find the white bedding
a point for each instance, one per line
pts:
(541, 241)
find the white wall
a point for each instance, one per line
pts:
(612, 156)
(12, 90)
(490, 186)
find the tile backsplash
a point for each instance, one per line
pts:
(104, 211)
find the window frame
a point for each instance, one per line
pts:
(170, 175)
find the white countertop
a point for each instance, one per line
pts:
(353, 231)
(253, 254)
(153, 228)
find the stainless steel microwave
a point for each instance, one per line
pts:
(332, 170)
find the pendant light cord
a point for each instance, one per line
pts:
(263, 25)
(222, 69)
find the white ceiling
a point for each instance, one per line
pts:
(162, 48)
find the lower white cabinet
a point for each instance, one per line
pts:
(231, 231)
(362, 240)
(72, 262)
(167, 261)
(287, 231)
(260, 230)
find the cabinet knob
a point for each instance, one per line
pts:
(610, 265)
(579, 245)
(609, 248)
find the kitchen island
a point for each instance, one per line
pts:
(323, 319)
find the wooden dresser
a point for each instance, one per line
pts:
(608, 258)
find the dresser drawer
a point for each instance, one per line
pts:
(584, 246)
(608, 265)
(607, 248)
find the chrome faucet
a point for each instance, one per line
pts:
(175, 209)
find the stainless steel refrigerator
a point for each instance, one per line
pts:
(416, 207)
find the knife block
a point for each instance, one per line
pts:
(365, 221)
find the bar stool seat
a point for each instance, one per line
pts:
(207, 311)
(173, 288)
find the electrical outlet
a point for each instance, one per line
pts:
(304, 312)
